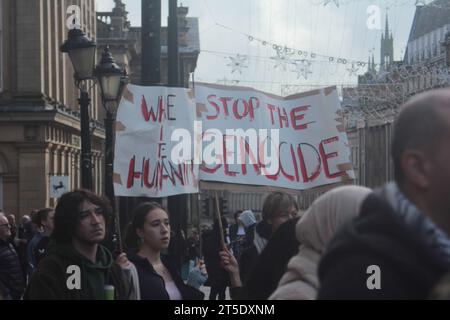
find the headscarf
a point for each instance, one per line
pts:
(314, 230)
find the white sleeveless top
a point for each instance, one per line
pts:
(172, 290)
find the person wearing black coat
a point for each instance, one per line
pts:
(399, 246)
(152, 285)
(409, 268)
(278, 208)
(218, 278)
(11, 276)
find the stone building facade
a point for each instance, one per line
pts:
(39, 111)
(115, 30)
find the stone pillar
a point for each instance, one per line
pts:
(69, 166)
(77, 169)
(33, 188)
(64, 153)
(56, 152)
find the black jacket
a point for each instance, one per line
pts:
(250, 254)
(218, 277)
(40, 251)
(151, 284)
(408, 267)
(11, 276)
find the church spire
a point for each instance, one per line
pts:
(373, 62)
(387, 27)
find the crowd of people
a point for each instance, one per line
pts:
(351, 243)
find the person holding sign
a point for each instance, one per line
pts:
(278, 208)
(148, 235)
(269, 268)
(314, 231)
(218, 278)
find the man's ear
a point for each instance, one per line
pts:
(416, 167)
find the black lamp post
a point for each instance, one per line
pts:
(81, 51)
(112, 80)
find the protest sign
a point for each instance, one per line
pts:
(146, 119)
(311, 146)
(167, 140)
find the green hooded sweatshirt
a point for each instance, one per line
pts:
(50, 280)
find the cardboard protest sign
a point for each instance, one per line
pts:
(146, 120)
(297, 142)
(166, 142)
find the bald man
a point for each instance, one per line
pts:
(398, 248)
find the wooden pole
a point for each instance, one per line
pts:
(219, 218)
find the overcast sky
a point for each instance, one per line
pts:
(306, 25)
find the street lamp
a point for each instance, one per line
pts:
(112, 80)
(81, 52)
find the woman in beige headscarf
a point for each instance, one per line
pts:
(314, 230)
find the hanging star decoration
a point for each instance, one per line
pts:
(336, 2)
(237, 63)
(282, 59)
(353, 70)
(302, 68)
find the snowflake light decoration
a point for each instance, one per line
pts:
(237, 63)
(302, 68)
(353, 70)
(282, 59)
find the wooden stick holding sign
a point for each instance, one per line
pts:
(219, 218)
(118, 232)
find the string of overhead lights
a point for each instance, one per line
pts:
(393, 3)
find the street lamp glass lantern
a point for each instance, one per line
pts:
(109, 76)
(81, 51)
